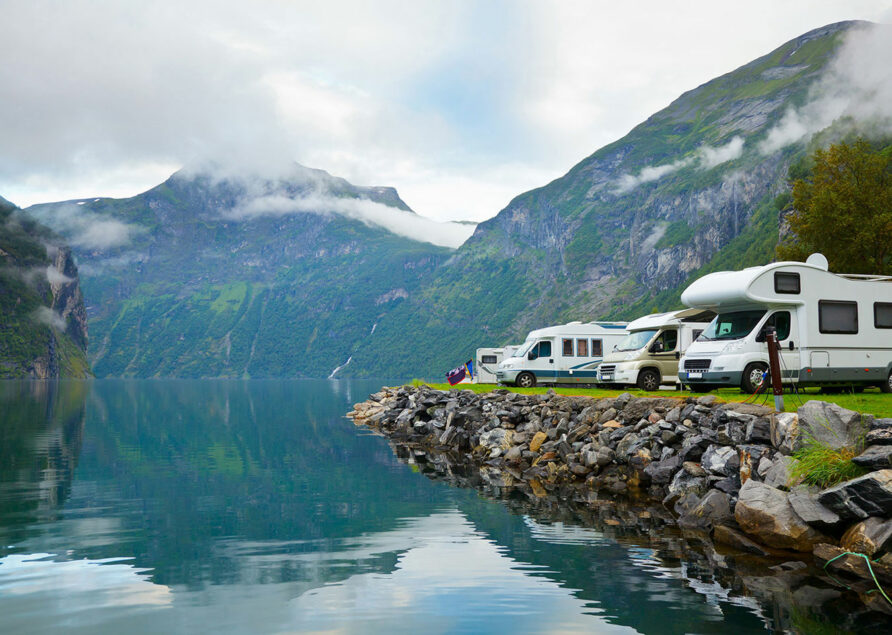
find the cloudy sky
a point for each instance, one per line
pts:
(460, 105)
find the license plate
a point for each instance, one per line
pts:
(606, 376)
(695, 375)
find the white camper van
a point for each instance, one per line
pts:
(487, 360)
(833, 329)
(648, 356)
(566, 354)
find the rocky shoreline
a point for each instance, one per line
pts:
(722, 471)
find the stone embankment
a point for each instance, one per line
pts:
(722, 468)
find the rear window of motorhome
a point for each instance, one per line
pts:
(488, 359)
(786, 282)
(882, 315)
(597, 348)
(835, 316)
(568, 348)
(582, 348)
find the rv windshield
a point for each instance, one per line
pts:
(636, 340)
(731, 326)
(523, 350)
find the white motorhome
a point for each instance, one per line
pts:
(832, 329)
(648, 356)
(487, 360)
(565, 354)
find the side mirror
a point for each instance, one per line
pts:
(532, 355)
(761, 336)
(657, 347)
(614, 347)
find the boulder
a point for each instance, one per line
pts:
(837, 560)
(876, 457)
(829, 424)
(712, 509)
(765, 512)
(726, 536)
(661, 472)
(497, 438)
(780, 474)
(879, 436)
(784, 431)
(862, 497)
(758, 430)
(872, 537)
(537, 441)
(682, 483)
(806, 504)
(721, 460)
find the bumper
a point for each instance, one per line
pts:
(715, 378)
(507, 376)
(619, 376)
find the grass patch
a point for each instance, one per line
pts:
(871, 401)
(824, 466)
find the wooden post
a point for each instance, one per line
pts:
(774, 368)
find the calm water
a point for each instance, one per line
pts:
(211, 506)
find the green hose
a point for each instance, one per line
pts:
(869, 568)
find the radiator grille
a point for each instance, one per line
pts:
(697, 364)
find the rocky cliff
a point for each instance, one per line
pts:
(43, 323)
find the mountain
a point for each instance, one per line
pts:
(43, 324)
(698, 186)
(216, 275)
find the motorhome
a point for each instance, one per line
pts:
(832, 329)
(648, 356)
(487, 360)
(565, 354)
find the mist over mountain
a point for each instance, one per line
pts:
(212, 274)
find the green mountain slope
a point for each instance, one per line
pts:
(43, 329)
(208, 277)
(621, 234)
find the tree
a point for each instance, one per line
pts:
(844, 210)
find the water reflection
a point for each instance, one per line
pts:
(152, 506)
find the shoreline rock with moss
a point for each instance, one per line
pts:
(724, 469)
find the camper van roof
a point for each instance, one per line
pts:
(657, 320)
(578, 328)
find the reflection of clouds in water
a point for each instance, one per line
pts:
(39, 594)
(448, 578)
(560, 534)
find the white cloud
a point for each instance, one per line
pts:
(858, 84)
(46, 315)
(54, 276)
(83, 228)
(704, 158)
(398, 221)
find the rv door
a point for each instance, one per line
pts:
(787, 329)
(540, 360)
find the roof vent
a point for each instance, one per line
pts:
(819, 261)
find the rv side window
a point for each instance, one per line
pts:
(582, 348)
(545, 349)
(786, 282)
(882, 315)
(670, 340)
(568, 348)
(696, 334)
(597, 348)
(837, 317)
(781, 323)
(488, 359)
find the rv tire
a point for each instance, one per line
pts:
(887, 387)
(649, 380)
(701, 387)
(525, 380)
(752, 377)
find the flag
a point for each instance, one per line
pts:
(457, 374)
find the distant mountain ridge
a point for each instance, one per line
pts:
(210, 276)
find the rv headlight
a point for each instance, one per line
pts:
(733, 347)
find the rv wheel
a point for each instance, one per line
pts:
(887, 387)
(649, 380)
(526, 380)
(752, 377)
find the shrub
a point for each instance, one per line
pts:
(822, 465)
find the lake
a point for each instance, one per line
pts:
(255, 506)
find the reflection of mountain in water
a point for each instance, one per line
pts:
(41, 429)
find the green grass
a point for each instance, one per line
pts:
(824, 466)
(871, 401)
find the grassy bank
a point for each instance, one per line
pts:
(871, 401)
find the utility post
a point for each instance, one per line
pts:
(774, 368)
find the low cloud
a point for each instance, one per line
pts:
(856, 85)
(54, 276)
(400, 222)
(83, 228)
(704, 158)
(46, 315)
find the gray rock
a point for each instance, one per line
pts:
(693, 468)
(806, 504)
(830, 424)
(706, 400)
(721, 460)
(712, 509)
(758, 430)
(620, 402)
(729, 485)
(497, 438)
(872, 537)
(764, 465)
(880, 423)
(674, 415)
(733, 538)
(780, 474)
(876, 457)
(879, 436)
(684, 482)
(608, 414)
(868, 495)
(514, 454)
(766, 513)
(661, 472)
(785, 432)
